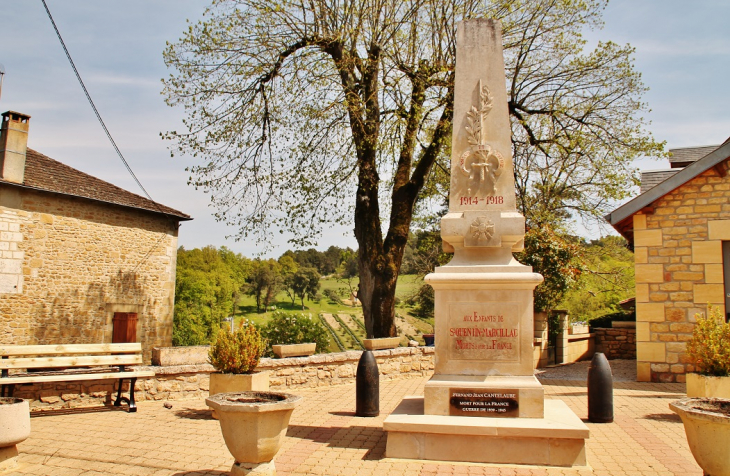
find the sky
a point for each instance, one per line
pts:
(682, 52)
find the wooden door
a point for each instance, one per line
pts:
(125, 327)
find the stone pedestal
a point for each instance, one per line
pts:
(483, 393)
(558, 439)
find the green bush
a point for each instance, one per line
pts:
(238, 352)
(297, 328)
(332, 295)
(708, 348)
(607, 320)
(422, 302)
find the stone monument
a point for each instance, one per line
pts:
(483, 391)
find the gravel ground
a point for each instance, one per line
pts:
(623, 371)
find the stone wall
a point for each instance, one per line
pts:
(679, 270)
(68, 264)
(180, 382)
(616, 343)
(574, 348)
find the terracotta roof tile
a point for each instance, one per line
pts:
(44, 173)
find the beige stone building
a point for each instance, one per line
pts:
(81, 260)
(679, 228)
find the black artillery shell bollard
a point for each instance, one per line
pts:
(600, 390)
(367, 386)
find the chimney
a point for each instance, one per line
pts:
(13, 144)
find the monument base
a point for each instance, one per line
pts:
(527, 401)
(558, 439)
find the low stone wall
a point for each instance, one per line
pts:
(616, 343)
(180, 382)
(575, 347)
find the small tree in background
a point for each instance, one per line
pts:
(264, 282)
(306, 283)
(347, 271)
(555, 257)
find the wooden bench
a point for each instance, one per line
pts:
(64, 363)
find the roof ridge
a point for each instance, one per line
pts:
(47, 174)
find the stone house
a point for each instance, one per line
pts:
(679, 228)
(81, 260)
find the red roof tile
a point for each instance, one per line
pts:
(46, 174)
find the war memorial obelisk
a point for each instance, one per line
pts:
(483, 403)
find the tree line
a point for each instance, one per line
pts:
(210, 281)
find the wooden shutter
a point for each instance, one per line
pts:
(125, 327)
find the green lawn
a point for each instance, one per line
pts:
(406, 287)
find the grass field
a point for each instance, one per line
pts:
(345, 318)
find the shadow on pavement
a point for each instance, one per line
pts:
(671, 417)
(194, 414)
(367, 438)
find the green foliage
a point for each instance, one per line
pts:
(325, 262)
(348, 270)
(607, 320)
(264, 282)
(208, 281)
(297, 328)
(424, 252)
(423, 301)
(708, 347)
(305, 283)
(332, 295)
(607, 278)
(555, 257)
(238, 352)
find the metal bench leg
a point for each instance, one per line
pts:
(7, 390)
(132, 405)
(120, 398)
(129, 401)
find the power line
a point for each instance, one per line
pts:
(98, 116)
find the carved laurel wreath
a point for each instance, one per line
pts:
(489, 163)
(474, 116)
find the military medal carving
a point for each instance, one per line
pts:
(481, 163)
(482, 228)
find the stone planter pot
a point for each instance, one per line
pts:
(294, 350)
(381, 343)
(226, 383)
(14, 429)
(707, 425)
(428, 339)
(707, 386)
(254, 425)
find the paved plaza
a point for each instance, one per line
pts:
(326, 438)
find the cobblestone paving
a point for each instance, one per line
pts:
(326, 438)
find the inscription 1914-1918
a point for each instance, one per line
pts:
(484, 402)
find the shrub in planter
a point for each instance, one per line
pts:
(297, 328)
(708, 348)
(238, 352)
(709, 352)
(235, 357)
